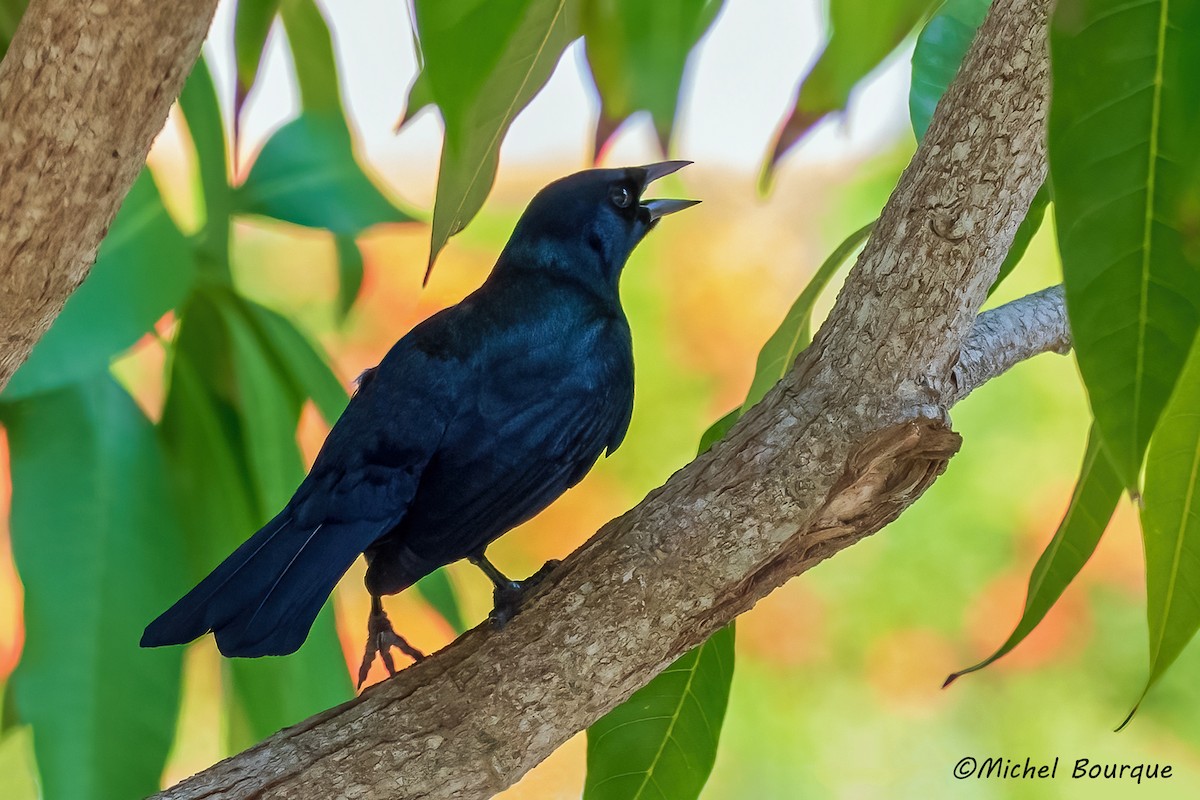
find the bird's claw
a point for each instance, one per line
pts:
(381, 638)
(506, 603)
(509, 597)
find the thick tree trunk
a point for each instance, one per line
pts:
(84, 88)
(853, 435)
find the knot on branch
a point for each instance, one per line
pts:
(890, 469)
(948, 227)
(886, 473)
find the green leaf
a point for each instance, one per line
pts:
(97, 545)
(937, 55)
(205, 425)
(201, 111)
(268, 410)
(251, 27)
(633, 735)
(420, 97)
(10, 15)
(307, 175)
(307, 172)
(1024, 235)
(350, 273)
(637, 52)
(1096, 494)
(1124, 163)
(144, 269)
(795, 332)
(863, 34)
(203, 444)
(267, 695)
(18, 770)
(305, 366)
(274, 693)
(716, 432)
(438, 591)
(8, 709)
(628, 753)
(514, 46)
(661, 743)
(1171, 525)
(312, 55)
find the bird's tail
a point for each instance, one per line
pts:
(262, 600)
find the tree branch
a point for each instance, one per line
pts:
(84, 88)
(1006, 336)
(849, 438)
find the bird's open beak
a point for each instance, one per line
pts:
(660, 208)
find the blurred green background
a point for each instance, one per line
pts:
(837, 686)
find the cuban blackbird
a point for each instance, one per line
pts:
(474, 422)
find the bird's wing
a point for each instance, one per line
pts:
(507, 468)
(263, 598)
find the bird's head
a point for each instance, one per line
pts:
(591, 220)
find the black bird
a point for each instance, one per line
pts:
(474, 422)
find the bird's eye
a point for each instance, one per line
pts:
(620, 196)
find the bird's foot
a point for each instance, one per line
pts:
(381, 638)
(509, 595)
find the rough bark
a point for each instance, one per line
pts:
(851, 436)
(84, 88)
(1008, 335)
